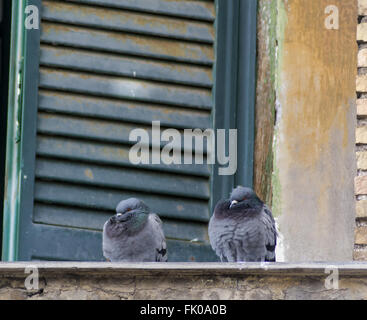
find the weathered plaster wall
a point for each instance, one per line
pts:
(360, 249)
(314, 151)
(184, 281)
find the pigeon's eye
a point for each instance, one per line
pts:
(128, 209)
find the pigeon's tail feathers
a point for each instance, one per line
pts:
(161, 249)
(270, 256)
(270, 234)
(162, 253)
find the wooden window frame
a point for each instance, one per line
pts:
(235, 88)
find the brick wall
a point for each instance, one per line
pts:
(360, 250)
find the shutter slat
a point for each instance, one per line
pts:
(65, 244)
(102, 153)
(127, 21)
(106, 199)
(200, 10)
(158, 48)
(125, 88)
(125, 66)
(99, 108)
(94, 220)
(127, 179)
(103, 130)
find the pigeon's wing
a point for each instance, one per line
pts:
(270, 233)
(221, 232)
(160, 240)
(107, 244)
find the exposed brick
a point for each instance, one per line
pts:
(362, 32)
(362, 58)
(361, 83)
(361, 208)
(362, 107)
(360, 185)
(362, 7)
(361, 235)
(361, 135)
(360, 254)
(362, 160)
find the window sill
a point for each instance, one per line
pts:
(187, 281)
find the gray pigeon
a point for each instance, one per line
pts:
(134, 234)
(243, 228)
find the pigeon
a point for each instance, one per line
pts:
(134, 234)
(242, 229)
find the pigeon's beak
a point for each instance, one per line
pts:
(233, 203)
(120, 217)
(112, 219)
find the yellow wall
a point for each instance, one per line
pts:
(314, 164)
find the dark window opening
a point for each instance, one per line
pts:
(5, 18)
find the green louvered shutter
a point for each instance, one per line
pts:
(97, 69)
(105, 68)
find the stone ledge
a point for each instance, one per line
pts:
(355, 268)
(184, 281)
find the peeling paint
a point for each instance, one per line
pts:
(124, 42)
(89, 174)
